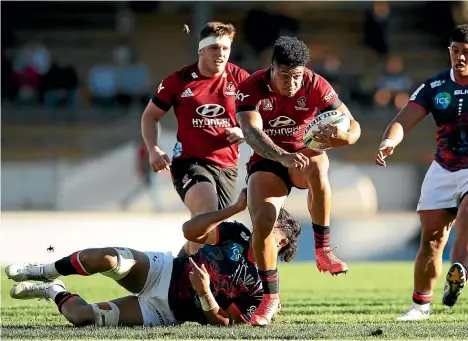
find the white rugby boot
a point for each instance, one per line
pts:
(415, 313)
(20, 272)
(29, 290)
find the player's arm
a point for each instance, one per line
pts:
(200, 279)
(150, 127)
(202, 228)
(404, 122)
(328, 100)
(251, 124)
(157, 107)
(412, 113)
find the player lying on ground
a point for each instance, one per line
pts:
(445, 186)
(218, 285)
(205, 156)
(274, 107)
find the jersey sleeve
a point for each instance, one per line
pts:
(246, 305)
(165, 95)
(422, 97)
(327, 98)
(247, 96)
(231, 232)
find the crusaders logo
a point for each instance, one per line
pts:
(230, 89)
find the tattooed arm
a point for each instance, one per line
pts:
(252, 126)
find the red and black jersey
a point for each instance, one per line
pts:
(235, 282)
(204, 108)
(284, 119)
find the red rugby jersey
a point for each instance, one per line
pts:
(204, 108)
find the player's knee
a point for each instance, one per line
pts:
(98, 260)
(119, 263)
(433, 242)
(106, 314)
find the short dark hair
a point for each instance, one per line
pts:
(459, 34)
(290, 51)
(218, 29)
(292, 229)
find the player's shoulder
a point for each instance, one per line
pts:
(185, 74)
(242, 230)
(438, 79)
(312, 79)
(257, 81)
(234, 68)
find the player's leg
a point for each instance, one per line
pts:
(435, 209)
(315, 178)
(128, 267)
(124, 311)
(457, 275)
(226, 180)
(196, 187)
(145, 274)
(267, 191)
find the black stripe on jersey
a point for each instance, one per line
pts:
(160, 104)
(335, 105)
(245, 108)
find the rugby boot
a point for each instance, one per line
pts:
(266, 311)
(327, 261)
(29, 290)
(20, 272)
(455, 282)
(415, 313)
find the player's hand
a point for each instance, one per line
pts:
(241, 202)
(159, 160)
(331, 136)
(385, 149)
(294, 160)
(200, 278)
(235, 135)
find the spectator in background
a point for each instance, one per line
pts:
(376, 27)
(60, 85)
(331, 69)
(394, 85)
(262, 27)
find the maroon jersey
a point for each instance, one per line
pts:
(204, 108)
(284, 119)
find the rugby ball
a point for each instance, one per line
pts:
(334, 117)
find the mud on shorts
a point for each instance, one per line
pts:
(187, 172)
(154, 297)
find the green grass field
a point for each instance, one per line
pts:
(360, 305)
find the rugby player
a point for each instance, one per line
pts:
(205, 156)
(219, 285)
(445, 185)
(273, 108)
